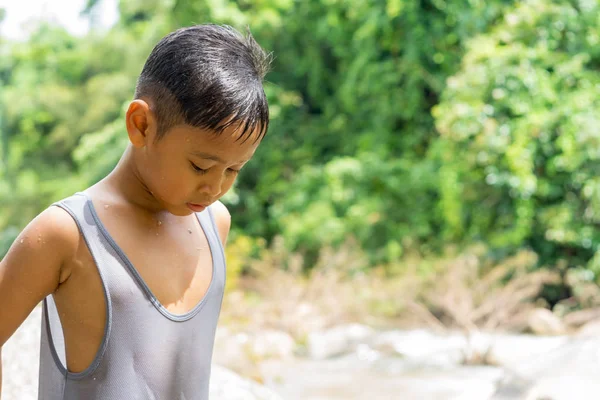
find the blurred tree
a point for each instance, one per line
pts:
(508, 155)
(353, 83)
(519, 146)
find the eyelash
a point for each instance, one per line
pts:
(201, 171)
(197, 169)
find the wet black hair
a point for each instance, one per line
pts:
(207, 76)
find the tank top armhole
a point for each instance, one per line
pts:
(103, 344)
(215, 230)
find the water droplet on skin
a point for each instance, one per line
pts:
(159, 223)
(106, 206)
(22, 240)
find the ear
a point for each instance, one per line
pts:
(140, 122)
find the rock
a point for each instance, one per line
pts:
(351, 378)
(226, 385)
(21, 360)
(576, 358)
(336, 341)
(590, 329)
(566, 372)
(510, 351)
(240, 351)
(511, 387)
(479, 345)
(231, 351)
(423, 347)
(565, 388)
(543, 322)
(272, 344)
(364, 352)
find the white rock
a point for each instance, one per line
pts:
(226, 385)
(565, 388)
(543, 322)
(272, 343)
(232, 350)
(21, 360)
(239, 351)
(511, 351)
(566, 372)
(590, 329)
(575, 358)
(351, 378)
(339, 340)
(365, 353)
(479, 345)
(424, 347)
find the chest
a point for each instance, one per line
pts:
(171, 255)
(169, 259)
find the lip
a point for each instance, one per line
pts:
(196, 207)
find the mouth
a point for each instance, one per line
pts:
(196, 207)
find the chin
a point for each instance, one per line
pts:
(181, 211)
(177, 210)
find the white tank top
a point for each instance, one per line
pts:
(147, 353)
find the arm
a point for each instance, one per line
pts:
(33, 267)
(223, 220)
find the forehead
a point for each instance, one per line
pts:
(226, 145)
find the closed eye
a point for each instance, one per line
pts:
(197, 169)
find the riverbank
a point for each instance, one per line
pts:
(354, 361)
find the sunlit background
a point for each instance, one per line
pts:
(421, 221)
(23, 17)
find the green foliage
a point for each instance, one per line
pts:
(519, 140)
(406, 125)
(354, 81)
(358, 197)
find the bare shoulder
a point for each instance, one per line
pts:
(222, 219)
(58, 227)
(52, 235)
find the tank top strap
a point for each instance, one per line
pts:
(209, 226)
(79, 207)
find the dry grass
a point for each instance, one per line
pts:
(457, 291)
(467, 292)
(584, 305)
(460, 291)
(335, 291)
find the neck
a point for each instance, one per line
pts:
(125, 183)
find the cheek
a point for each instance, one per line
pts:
(168, 181)
(227, 184)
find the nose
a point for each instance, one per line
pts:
(212, 185)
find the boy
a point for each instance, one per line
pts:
(131, 271)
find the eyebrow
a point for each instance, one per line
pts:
(213, 157)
